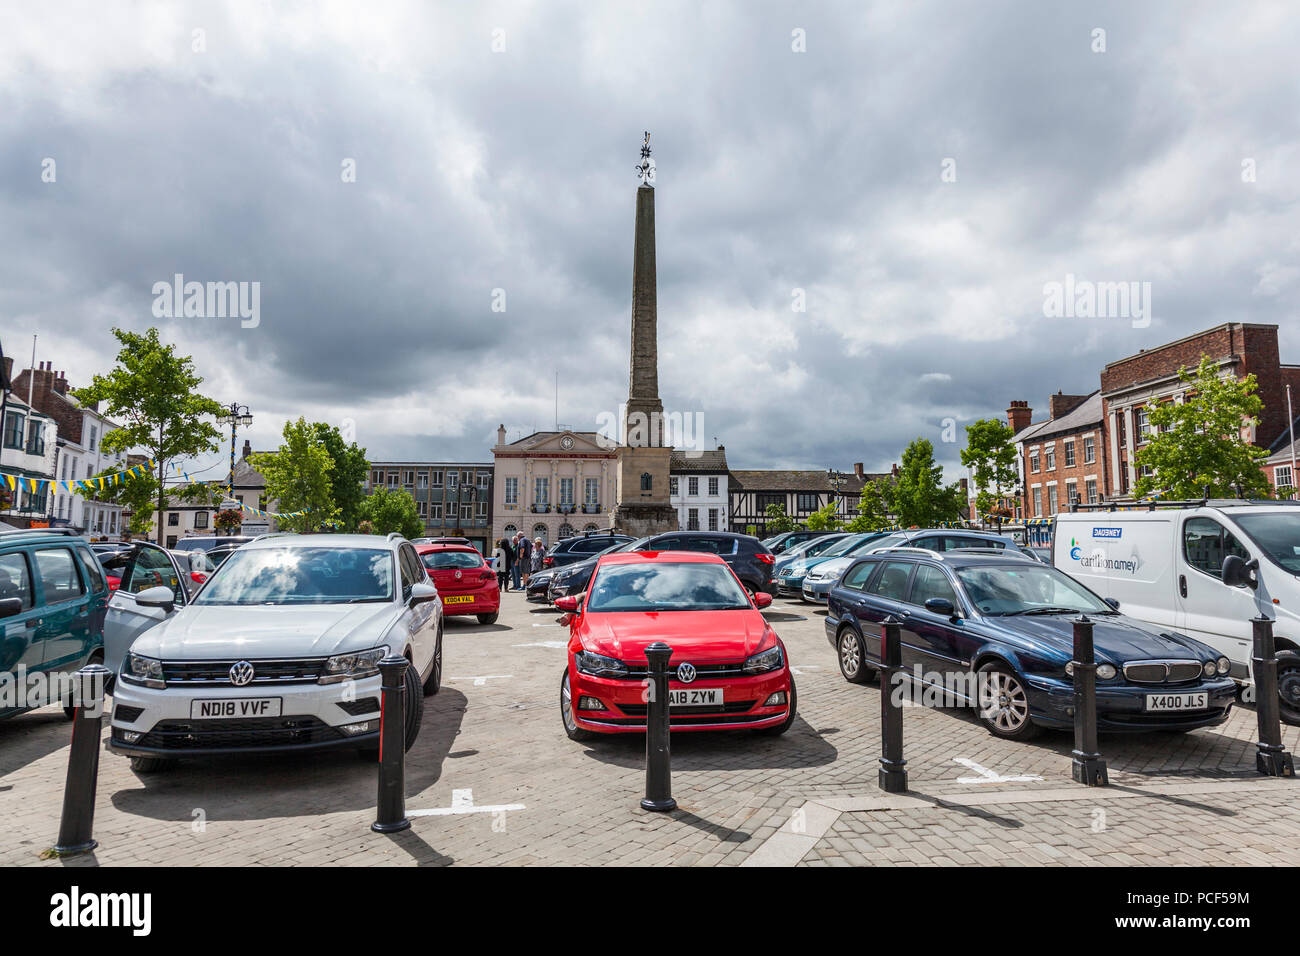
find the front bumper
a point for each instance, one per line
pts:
(743, 704)
(312, 717)
(788, 586)
(817, 591)
(1122, 708)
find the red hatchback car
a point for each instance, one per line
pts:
(464, 581)
(728, 670)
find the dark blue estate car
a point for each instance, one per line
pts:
(997, 633)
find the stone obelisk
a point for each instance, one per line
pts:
(643, 506)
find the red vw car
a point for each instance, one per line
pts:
(463, 579)
(728, 670)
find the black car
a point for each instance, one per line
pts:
(745, 554)
(580, 547)
(788, 539)
(537, 585)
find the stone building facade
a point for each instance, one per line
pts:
(553, 484)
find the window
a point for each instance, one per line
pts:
(692, 519)
(541, 491)
(672, 484)
(466, 511)
(200, 520)
(1051, 500)
(713, 519)
(512, 491)
(1051, 457)
(1069, 454)
(150, 569)
(693, 486)
(806, 503)
(1121, 432)
(1038, 502)
(1072, 492)
(65, 467)
(1206, 543)
(1033, 462)
(410, 478)
(566, 531)
(173, 519)
(36, 439)
(14, 428)
(94, 435)
(713, 487)
(421, 508)
(858, 574)
(566, 492)
(930, 582)
(376, 477)
(539, 531)
(1282, 477)
(1089, 450)
(422, 480)
(467, 477)
(480, 509)
(591, 493)
(482, 481)
(891, 583)
(647, 482)
(451, 480)
(1143, 426)
(15, 581)
(435, 478)
(1090, 487)
(435, 511)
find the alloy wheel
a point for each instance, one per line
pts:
(1003, 702)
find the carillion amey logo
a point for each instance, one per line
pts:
(74, 908)
(1075, 550)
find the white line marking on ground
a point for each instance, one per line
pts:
(543, 625)
(807, 667)
(462, 801)
(554, 645)
(481, 679)
(988, 776)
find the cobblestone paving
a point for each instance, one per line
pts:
(492, 739)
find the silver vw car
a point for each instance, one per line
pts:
(277, 651)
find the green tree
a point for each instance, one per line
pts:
(155, 392)
(1196, 446)
(777, 520)
(387, 511)
(347, 477)
(991, 456)
(875, 507)
(138, 494)
(298, 477)
(825, 519)
(921, 499)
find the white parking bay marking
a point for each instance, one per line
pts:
(481, 679)
(545, 625)
(988, 776)
(806, 667)
(553, 645)
(462, 801)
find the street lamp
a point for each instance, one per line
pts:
(234, 416)
(836, 478)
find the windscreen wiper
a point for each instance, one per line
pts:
(1043, 610)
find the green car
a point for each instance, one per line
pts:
(53, 598)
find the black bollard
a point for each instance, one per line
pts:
(893, 768)
(1270, 757)
(83, 762)
(1087, 767)
(658, 755)
(390, 815)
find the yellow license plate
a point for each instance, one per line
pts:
(459, 599)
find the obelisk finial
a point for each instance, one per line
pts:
(646, 168)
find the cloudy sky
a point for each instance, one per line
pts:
(914, 172)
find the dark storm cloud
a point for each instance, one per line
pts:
(780, 174)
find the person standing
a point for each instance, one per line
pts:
(499, 563)
(525, 557)
(537, 555)
(516, 569)
(510, 567)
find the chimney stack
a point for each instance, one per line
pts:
(1062, 404)
(1019, 415)
(248, 448)
(857, 470)
(501, 434)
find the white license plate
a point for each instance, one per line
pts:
(1197, 701)
(695, 697)
(235, 708)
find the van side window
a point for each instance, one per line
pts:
(59, 576)
(1206, 543)
(15, 580)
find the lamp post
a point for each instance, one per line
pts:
(836, 478)
(234, 416)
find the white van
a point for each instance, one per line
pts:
(1164, 567)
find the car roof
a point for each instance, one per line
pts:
(664, 557)
(443, 546)
(956, 559)
(342, 541)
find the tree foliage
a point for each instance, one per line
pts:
(298, 478)
(1196, 446)
(387, 510)
(991, 457)
(154, 392)
(778, 521)
(347, 478)
(825, 518)
(920, 498)
(875, 507)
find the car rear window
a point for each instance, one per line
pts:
(60, 579)
(441, 560)
(15, 580)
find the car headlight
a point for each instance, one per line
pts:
(598, 665)
(1224, 665)
(142, 670)
(353, 666)
(1210, 669)
(768, 660)
(1106, 671)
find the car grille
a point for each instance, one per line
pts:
(355, 708)
(227, 734)
(217, 673)
(702, 671)
(1162, 672)
(126, 713)
(730, 707)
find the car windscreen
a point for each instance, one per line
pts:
(1277, 534)
(1004, 590)
(888, 541)
(842, 546)
(438, 560)
(196, 544)
(666, 586)
(301, 576)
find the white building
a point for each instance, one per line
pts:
(697, 488)
(27, 451)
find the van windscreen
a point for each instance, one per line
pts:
(1277, 534)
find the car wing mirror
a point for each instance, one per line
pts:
(422, 593)
(10, 606)
(1237, 573)
(160, 597)
(940, 606)
(1113, 602)
(762, 599)
(568, 603)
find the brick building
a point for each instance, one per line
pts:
(800, 493)
(1062, 458)
(1131, 385)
